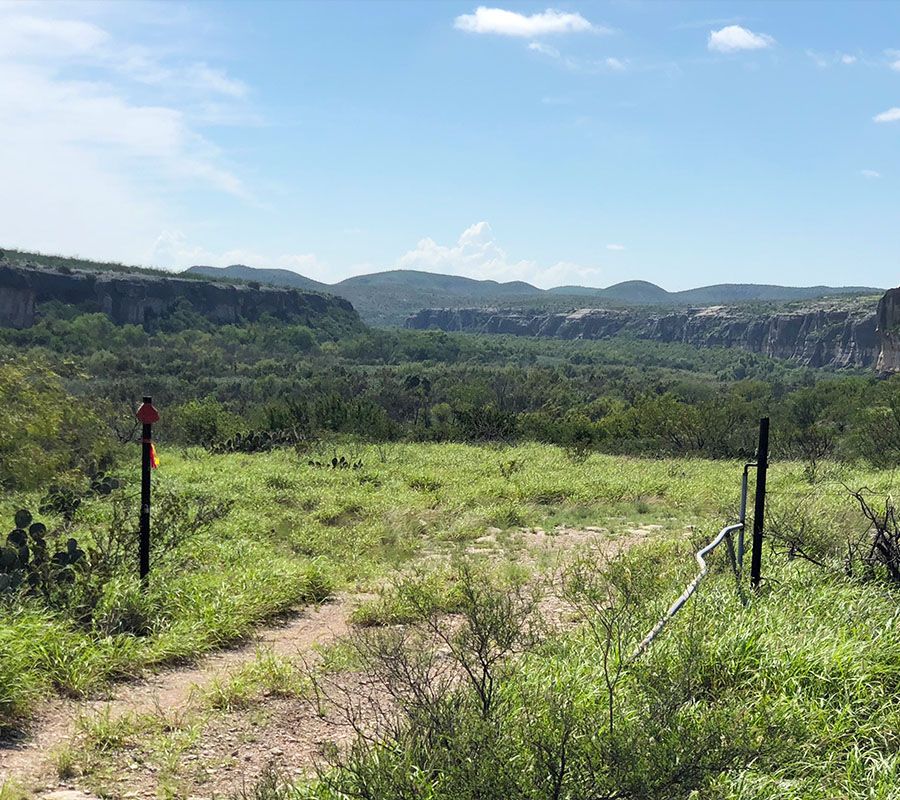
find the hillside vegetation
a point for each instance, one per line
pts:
(619, 396)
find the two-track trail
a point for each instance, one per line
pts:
(30, 763)
(227, 750)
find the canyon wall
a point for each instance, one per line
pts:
(818, 336)
(141, 299)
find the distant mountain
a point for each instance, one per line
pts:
(723, 293)
(388, 298)
(646, 293)
(436, 282)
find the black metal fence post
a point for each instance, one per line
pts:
(759, 509)
(147, 415)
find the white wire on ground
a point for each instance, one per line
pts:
(691, 588)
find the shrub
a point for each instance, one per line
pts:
(44, 431)
(206, 422)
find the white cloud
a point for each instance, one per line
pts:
(870, 173)
(733, 38)
(848, 59)
(544, 49)
(510, 23)
(894, 63)
(615, 247)
(50, 110)
(477, 255)
(86, 166)
(615, 64)
(30, 36)
(891, 115)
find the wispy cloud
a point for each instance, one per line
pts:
(589, 65)
(84, 163)
(615, 247)
(819, 60)
(734, 38)
(202, 76)
(823, 61)
(27, 35)
(870, 173)
(502, 22)
(543, 49)
(706, 23)
(891, 115)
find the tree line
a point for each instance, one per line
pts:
(618, 396)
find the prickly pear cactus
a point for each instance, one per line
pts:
(26, 562)
(337, 463)
(60, 500)
(104, 484)
(259, 441)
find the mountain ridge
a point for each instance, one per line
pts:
(389, 297)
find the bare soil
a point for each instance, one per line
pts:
(216, 753)
(30, 762)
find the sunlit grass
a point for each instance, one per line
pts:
(299, 532)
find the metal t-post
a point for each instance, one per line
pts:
(759, 509)
(147, 415)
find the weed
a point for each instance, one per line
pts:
(267, 674)
(410, 598)
(104, 732)
(66, 761)
(424, 483)
(510, 468)
(339, 656)
(271, 785)
(280, 483)
(12, 790)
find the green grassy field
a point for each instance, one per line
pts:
(816, 656)
(297, 532)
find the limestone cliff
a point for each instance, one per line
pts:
(142, 299)
(888, 320)
(819, 335)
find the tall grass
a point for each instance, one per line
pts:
(297, 532)
(796, 694)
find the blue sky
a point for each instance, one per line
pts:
(682, 143)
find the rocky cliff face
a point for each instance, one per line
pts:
(888, 322)
(817, 336)
(138, 299)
